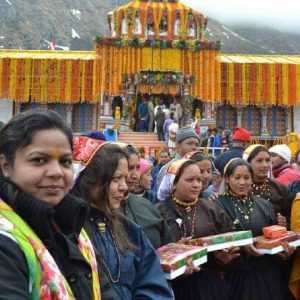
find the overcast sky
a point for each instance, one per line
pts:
(283, 15)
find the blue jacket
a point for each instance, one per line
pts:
(141, 276)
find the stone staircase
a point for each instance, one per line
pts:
(146, 140)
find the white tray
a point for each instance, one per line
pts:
(174, 274)
(277, 249)
(231, 244)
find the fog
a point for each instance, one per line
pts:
(282, 15)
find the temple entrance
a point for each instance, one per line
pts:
(148, 104)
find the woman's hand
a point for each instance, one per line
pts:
(190, 268)
(213, 197)
(184, 240)
(251, 250)
(281, 220)
(288, 251)
(226, 256)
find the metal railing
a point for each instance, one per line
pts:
(207, 151)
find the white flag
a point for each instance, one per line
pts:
(75, 35)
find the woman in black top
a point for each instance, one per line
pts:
(190, 216)
(252, 276)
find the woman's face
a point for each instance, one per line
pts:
(189, 184)
(133, 173)
(146, 180)
(277, 161)
(205, 172)
(118, 187)
(240, 181)
(261, 165)
(44, 168)
(187, 145)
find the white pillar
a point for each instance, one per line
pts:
(297, 119)
(69, 114)
(6, 110)
(264, 123)
(239, 111)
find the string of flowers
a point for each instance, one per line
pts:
(194, 45)
(158, 77)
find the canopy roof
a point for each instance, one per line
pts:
(261, 59)
(45, 54)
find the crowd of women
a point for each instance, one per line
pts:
(92, 234)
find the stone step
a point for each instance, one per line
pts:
(146, 140)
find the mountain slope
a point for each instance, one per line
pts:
(253, 39)
(29, 24)
(73, 24)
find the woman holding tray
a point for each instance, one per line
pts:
(252, 276)
(129, 267)
(190, 216)
(259, 158)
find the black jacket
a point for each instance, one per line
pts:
(142, 212)
(58, 228)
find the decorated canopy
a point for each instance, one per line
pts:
(47, 76)
(260, 79)
(156, 19)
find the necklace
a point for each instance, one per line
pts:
(189, 212)
(101, 231)
(186, 205)
(244, 207)
(262, 190)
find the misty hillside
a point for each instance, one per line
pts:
(31, 24)
(73, 24)
(253, 39)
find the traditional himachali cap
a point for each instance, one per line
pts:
(185, 133)
(165, 188)
(229, 163)
(84, 149)
(241, 134)
(249, 150)
(144, 166)
(283, 151)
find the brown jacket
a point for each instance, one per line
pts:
(210, 219)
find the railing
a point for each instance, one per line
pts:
(207, 151)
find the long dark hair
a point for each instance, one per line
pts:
(99, 172)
